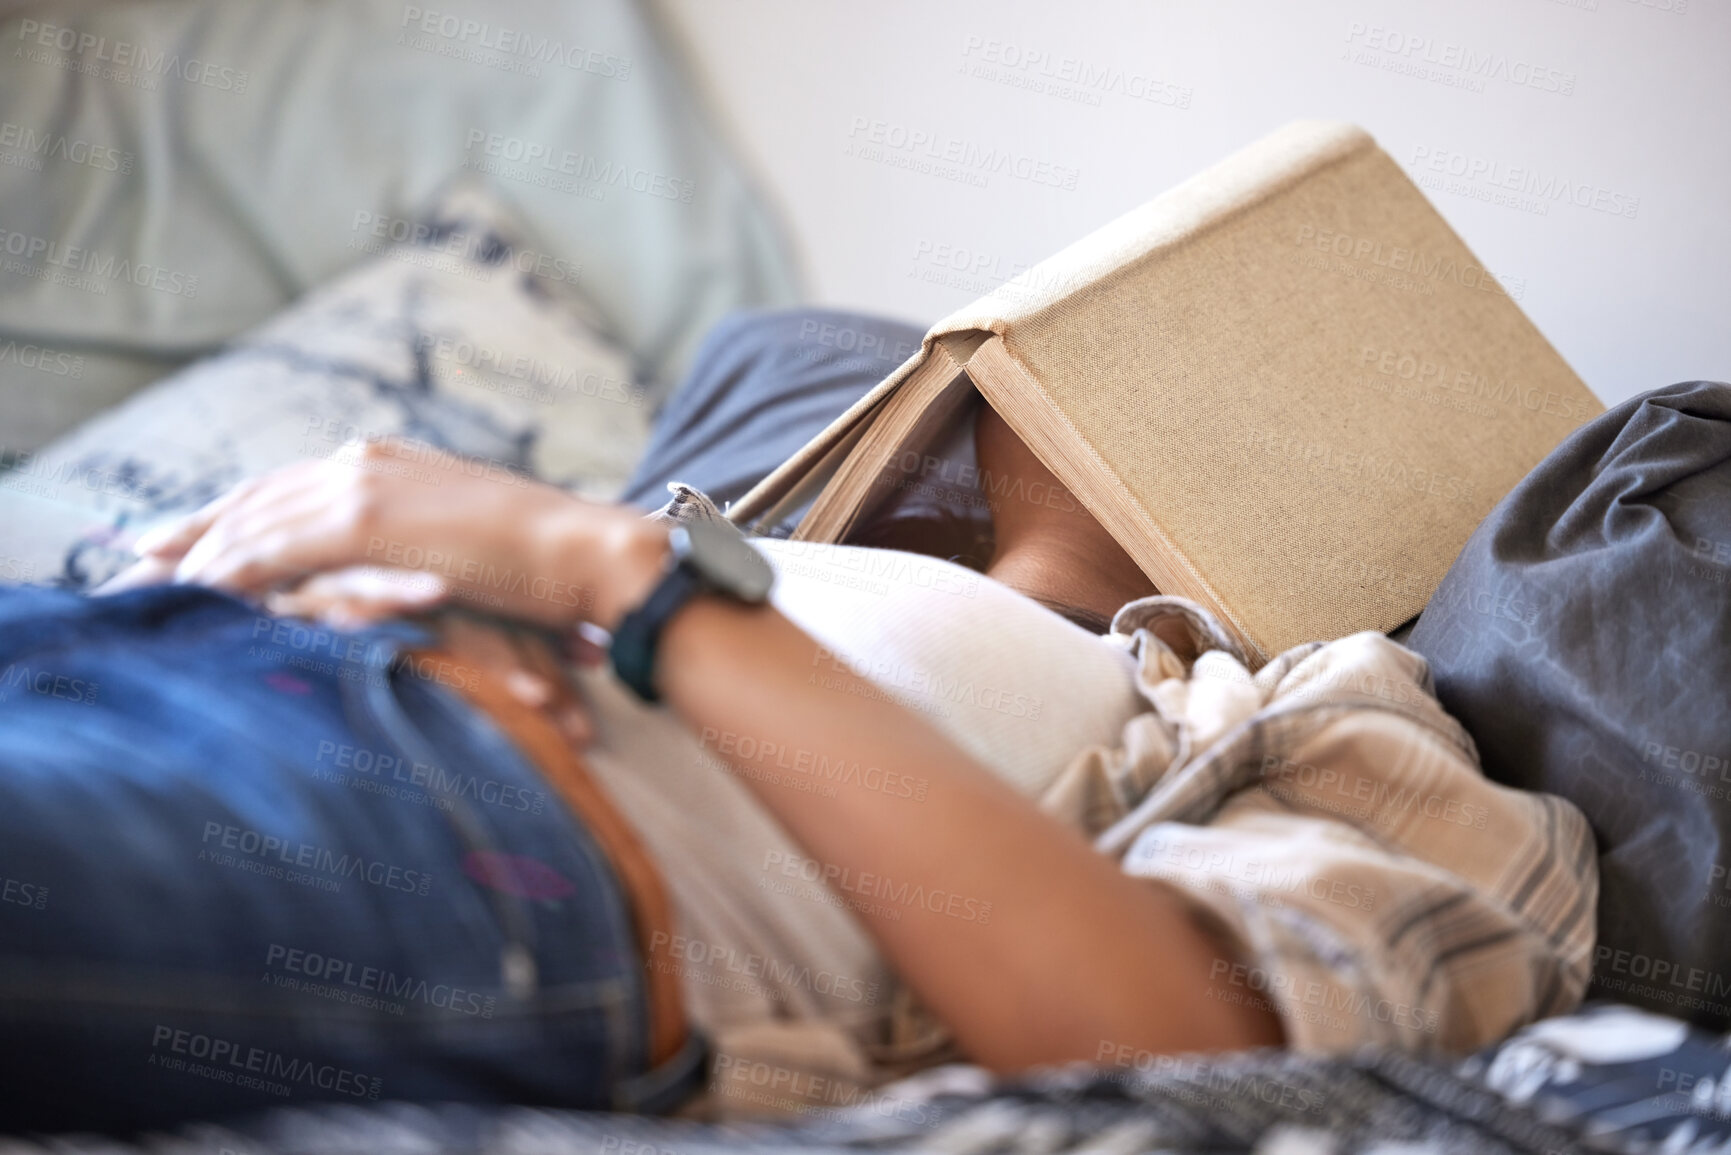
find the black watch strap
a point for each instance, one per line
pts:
(638, 638)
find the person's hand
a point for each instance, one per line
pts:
(394, 526)
(359, 595)
(525, 665)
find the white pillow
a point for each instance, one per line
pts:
(444, 337)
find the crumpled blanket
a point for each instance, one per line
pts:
(1330, 819)
(1327, 818)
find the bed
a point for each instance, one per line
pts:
(1606, 1079)
(318, 221)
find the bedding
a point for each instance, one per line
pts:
(1606, 1079)
(1581, 638)
(1330, 820)
(1528, 1094)
(1333, 821)
(444, 337)
(175, 173)
(777, 968)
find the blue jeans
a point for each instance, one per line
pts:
(248, 862)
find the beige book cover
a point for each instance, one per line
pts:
(1286, 387)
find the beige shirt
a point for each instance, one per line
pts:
(775, 964)
(1325, 813)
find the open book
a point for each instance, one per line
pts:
(1286, 388)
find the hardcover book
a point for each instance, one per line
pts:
(1286, 387)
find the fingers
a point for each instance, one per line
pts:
(528, 669)
(574, 723)
(359, 595)
(199, 539)
(246, 542)
(276, 534)
(147, 571)
(173, 538)
(492, 649)
(558, 696)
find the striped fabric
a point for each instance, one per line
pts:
(1331, 821)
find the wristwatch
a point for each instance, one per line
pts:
(705, 557)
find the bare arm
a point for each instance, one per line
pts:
(1073, 958)
(1071, 955)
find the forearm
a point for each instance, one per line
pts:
(1072, 953)
(1098, 958)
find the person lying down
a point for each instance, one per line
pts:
(321, 831)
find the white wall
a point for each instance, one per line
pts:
(1635, 292)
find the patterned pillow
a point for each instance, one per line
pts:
(1632, 1079)
(453, 334)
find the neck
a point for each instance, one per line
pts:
(1052, 551)
(1057, 571)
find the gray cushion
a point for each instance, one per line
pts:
(1584, 638)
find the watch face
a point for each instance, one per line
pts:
(725, 559)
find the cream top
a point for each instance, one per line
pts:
(776, 966)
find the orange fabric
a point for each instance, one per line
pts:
(542, 743)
